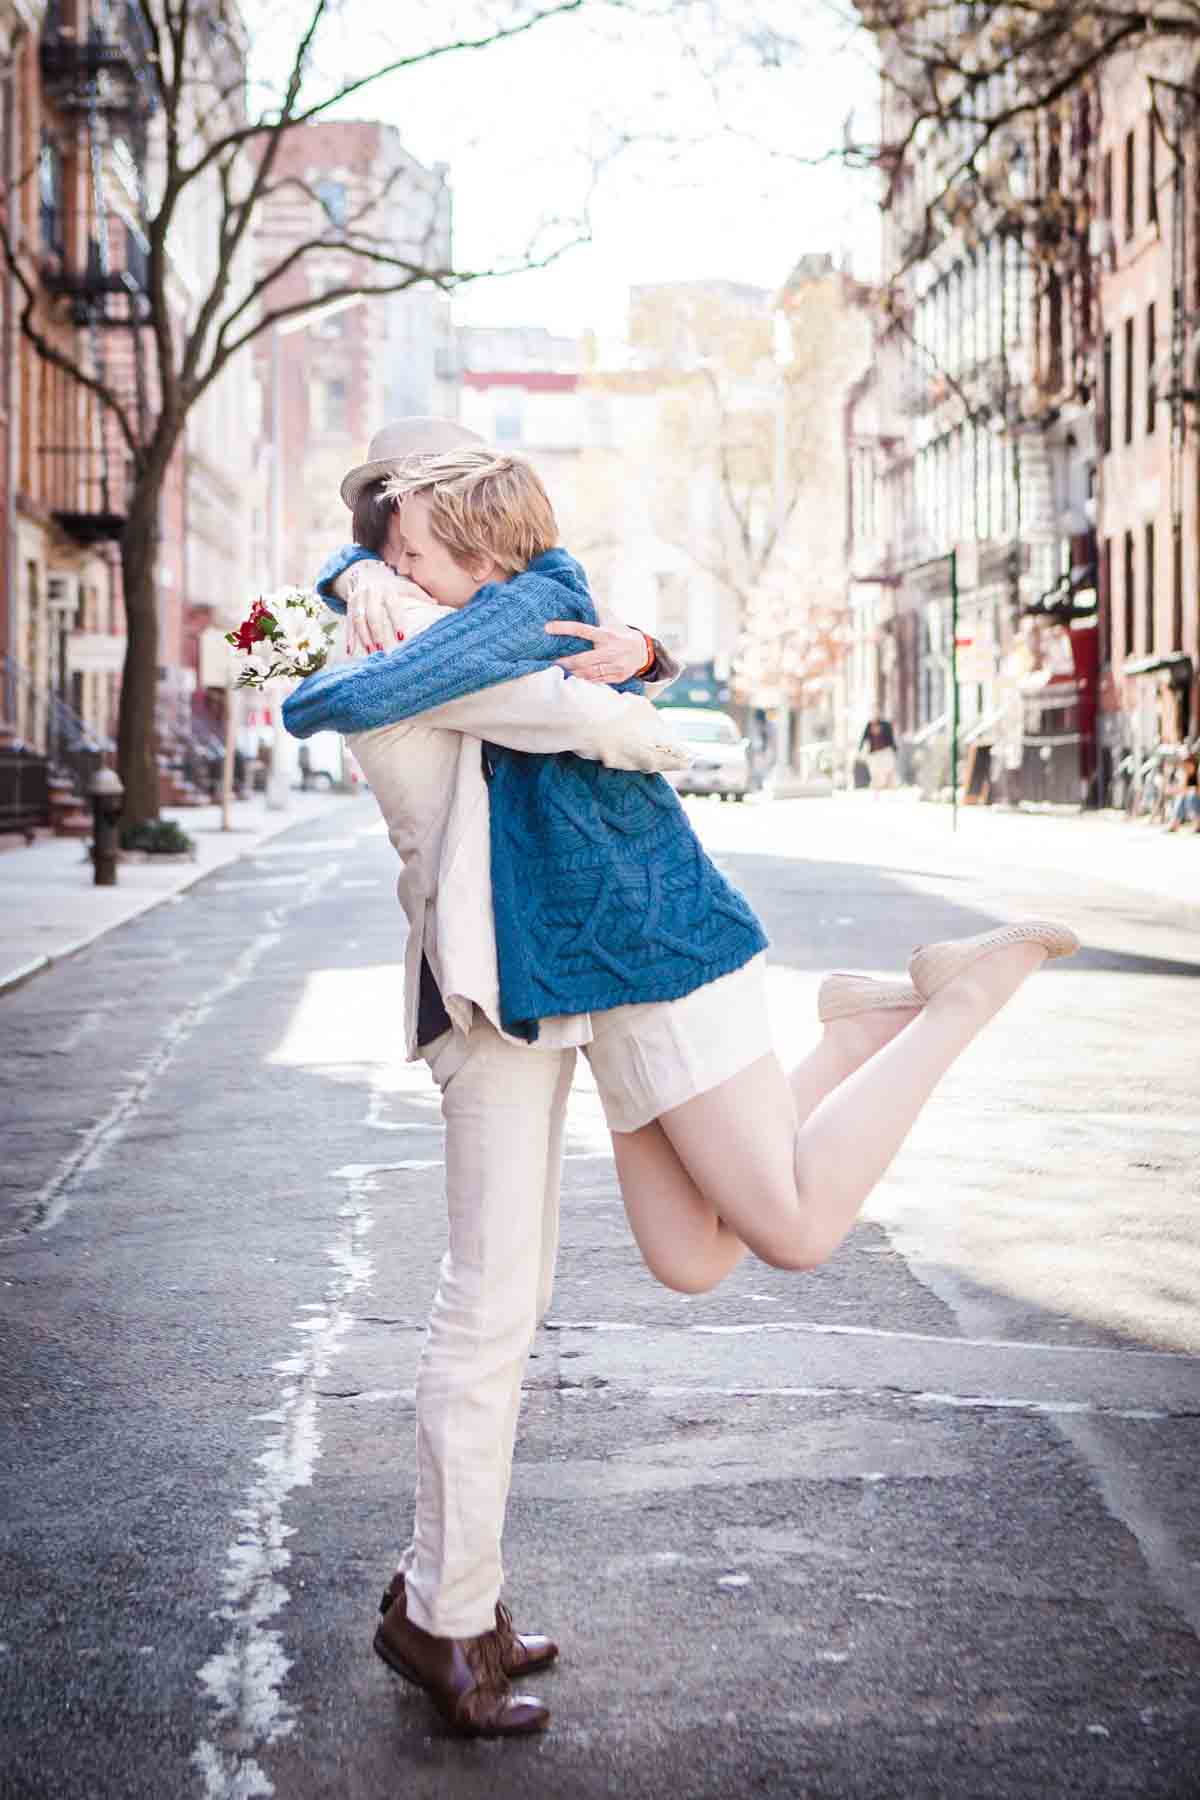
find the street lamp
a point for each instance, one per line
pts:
(279, 789)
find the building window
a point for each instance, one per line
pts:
(508, 418)
(332, 198)
(1151, 351)
(1106, 395)
(1054, 328)
(329, 407)
(1151, 171)
(1106, 187)
(1128, 598)
(51, 216)
(1177, 587)
(1128, 381)
(1130, 184)
(1148, 608)
(1106, 605)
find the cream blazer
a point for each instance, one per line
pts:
(427, 776)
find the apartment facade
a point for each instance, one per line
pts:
(1032, 409)
(80, 125)
(951, 535)
(326, 387)
(62, 621)
(1148, 522)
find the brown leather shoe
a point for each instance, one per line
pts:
(521, 1654)
(464, 1677)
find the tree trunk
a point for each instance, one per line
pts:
(137, 736)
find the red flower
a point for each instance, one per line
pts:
(252, 630)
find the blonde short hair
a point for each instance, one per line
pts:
(482, 504)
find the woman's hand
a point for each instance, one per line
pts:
(618, 652)
(375, 598)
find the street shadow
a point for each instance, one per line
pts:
(884, 918)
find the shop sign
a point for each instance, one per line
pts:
(95, 653)
(216, 658)
(975, 654)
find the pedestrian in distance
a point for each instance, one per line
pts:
(607, 915)
(878, 743)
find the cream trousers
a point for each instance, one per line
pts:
(504, 1107)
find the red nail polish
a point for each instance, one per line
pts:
(399, 637)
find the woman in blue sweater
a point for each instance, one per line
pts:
(606, 905)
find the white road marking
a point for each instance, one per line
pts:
(746, 1391)
(760, 1326)
(244, 1681)
(54, 1199)
(256, 883)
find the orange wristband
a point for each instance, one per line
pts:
(651, 653)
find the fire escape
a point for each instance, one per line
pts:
(94, 248)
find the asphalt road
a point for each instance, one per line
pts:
(924, 1523)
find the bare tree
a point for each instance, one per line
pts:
(968, 88)
(204, 144)
(748, 444)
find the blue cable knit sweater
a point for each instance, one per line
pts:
(603, 895)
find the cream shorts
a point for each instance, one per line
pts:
(648, 1058)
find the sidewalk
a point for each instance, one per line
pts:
(1106, 847)
(50, 906)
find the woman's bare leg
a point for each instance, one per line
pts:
(738, 1167)
(682, 1237)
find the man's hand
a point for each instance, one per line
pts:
(619, 651)
(375, 597)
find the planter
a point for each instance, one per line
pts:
(156, 856)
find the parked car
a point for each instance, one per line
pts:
(721, 754)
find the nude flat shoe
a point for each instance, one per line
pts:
(932, 966)
(840, 996)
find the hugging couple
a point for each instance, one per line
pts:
(559, 901)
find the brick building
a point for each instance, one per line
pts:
(1149, 474)
(326, 387)
(61, 621)
(1033, 407)
(79, 111)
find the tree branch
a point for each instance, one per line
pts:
(287, 118)
(57, 358)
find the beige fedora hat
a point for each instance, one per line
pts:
(396, 442)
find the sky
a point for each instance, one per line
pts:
(698, 152)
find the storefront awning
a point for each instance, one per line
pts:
(1176, 664)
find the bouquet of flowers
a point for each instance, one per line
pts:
(288, 634)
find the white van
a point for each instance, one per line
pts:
(721, 755)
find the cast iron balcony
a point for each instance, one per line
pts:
(91, 261)
(85, 490)
(96, 58)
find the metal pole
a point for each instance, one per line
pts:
(227, 758)
(954, 721)
(278, 776)
(779, 499)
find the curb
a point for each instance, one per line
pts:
(26, 972)
(18, 977)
